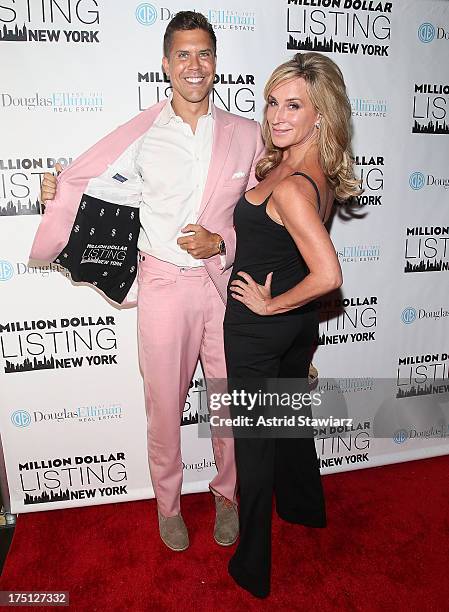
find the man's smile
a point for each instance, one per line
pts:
(194, 80)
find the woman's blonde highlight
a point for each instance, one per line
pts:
(327, 92)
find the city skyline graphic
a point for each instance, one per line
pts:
(415, 391)
(427, 266)
(16, 34)
(45, 498)
(29, 365)
(439, 127)
(15, 209)
(326, 46)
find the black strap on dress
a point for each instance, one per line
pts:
(310, 179)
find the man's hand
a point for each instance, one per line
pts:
(48, 186)
(202, 244)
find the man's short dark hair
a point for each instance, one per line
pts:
(188, 20)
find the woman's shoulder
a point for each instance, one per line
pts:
(300, 186)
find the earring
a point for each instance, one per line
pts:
(317, 125)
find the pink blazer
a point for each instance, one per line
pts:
(92, 225)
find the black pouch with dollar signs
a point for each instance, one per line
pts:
(102, 248)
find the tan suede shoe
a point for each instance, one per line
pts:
(173, 532)
(226, 530)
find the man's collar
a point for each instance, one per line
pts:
(168, 114)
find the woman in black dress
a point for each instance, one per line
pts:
(284, 261)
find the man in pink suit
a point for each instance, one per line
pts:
(184, 164)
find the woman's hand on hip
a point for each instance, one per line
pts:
(255, 297)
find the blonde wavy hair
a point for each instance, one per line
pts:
(327, 92)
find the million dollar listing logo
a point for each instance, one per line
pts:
(343, 445)
(348, 320)
(370, 169)
(60, 479)
(195, 408)
(53, 344)
(234, 92)
(360, 27)
(49, 21)
(426, 374)
(20, 182)
(426, 249)
(430, 108)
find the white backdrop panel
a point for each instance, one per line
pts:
(72, 415)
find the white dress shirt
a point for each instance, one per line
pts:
(173, 163)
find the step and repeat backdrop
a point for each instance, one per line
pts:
(72, 418)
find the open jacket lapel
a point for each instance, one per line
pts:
(84, 229)
(223, 131)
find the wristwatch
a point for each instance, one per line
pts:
(222, 247)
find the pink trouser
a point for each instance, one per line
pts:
(180, 318)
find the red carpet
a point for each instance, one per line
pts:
(386, 548)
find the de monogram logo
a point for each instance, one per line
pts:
(146, 14)
(426, 32)
(417, 180)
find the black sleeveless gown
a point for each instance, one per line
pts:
(261, 347)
